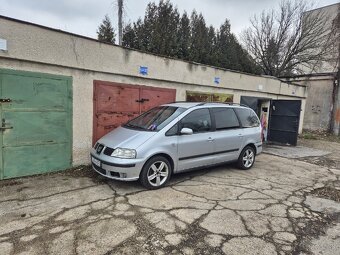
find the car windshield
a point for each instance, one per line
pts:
(155, 119)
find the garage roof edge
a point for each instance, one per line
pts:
(140, 51)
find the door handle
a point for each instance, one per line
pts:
(210, 139)
(142, 100)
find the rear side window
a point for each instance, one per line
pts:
(247, 117)
(198, 121)
(225, 118)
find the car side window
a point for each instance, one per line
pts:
(198, 120)
(225, 118)
(172, 131)
(247, 117)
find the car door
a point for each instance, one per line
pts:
(197, 149)
(228, 137)
(250, 125)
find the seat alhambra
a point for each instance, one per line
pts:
(178, 137)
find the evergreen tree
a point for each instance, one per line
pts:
(199, 45)
(157, 33)
(230, 53)
(129, 36)
(223, 45)
(146, 29)
(105, 31)
(163, 31)
(166, 26)
(212, 49)
(183, 37)
(247, 63)
(142, 35)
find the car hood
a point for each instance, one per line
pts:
(126, 138)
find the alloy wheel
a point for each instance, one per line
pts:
(158, 173)
(248, 158)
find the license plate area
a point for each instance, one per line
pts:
(96, 162)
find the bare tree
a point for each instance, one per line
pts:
(334, 38)
(289, 40)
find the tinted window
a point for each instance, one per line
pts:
(247, 117)
(172, 131)
(225, 118)
(155, 119)
(198, 121)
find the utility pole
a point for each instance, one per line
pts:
(120, 22)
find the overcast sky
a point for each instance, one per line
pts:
(84, 16)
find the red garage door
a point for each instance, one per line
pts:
(116, 103)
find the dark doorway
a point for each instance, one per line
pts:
(284, 121)
(251, 102)
(261, 107)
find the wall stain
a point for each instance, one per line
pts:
(127, 54)
(73, 40)
(166, 61)
(191, 66)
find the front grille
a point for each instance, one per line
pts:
(96, 146)
(99, 169)
(99, 148)
(108, 151)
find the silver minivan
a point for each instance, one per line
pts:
(178, 137)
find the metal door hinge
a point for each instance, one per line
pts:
(3, 128)
(5, 100)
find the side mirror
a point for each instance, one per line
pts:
(186, 131)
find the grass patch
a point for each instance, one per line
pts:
(319, 135)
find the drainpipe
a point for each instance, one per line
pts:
(336, 86)
(335, 120)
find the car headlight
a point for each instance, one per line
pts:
(124, 153)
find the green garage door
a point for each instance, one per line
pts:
(35, 123)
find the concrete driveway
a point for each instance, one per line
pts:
(214, 211)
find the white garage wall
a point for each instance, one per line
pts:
(33, 48)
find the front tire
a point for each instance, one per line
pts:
(247, 158)
(155, 173)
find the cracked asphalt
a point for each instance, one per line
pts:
(269, 209)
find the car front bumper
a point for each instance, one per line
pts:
(117, 169)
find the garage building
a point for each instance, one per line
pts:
(60, 92)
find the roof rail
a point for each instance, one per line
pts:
(214, 102)
(198, 103)
(173, 102)
(229, 103)
(203, 103)
(237, 104)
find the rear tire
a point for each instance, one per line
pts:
(247, 158)
(155, 173)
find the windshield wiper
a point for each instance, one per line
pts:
(135, 126)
